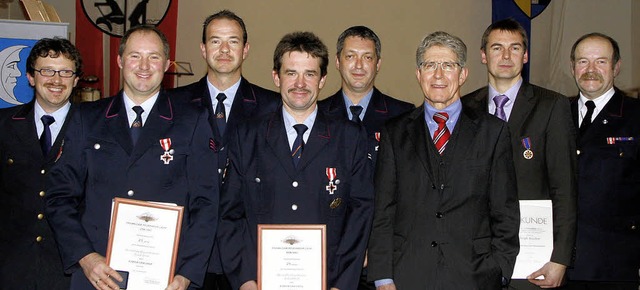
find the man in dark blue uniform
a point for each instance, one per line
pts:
(229, 97)
(298, 165)
(114, 148)
(608, 239)
(30, 140)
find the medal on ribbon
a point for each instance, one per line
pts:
(331, 175)
(377, 136)
(167, 156)
(528, 153)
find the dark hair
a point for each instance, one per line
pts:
(301, 42)
(144, 28)
(224, 14)
(614, 44)
(54, 47)
(507, 24)
(362, 32)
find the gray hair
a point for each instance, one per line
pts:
(443, 39)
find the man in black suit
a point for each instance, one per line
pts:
(542, 139)
(30, 140)
(358, 60)
(446, 207)
(608, 240)
(139, 144)
(224, 47)
(298, 165)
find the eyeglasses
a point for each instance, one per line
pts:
(47, 72)
(431, 66)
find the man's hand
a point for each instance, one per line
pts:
(97, 271)
(249, 285)
(179, 283)
(387, 287)
(552, 275)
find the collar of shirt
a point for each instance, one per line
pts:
(146, 106)
(230, 93)
(452, 110)
(289, 121)
(511, 93)
(364, 103)
(600, 102)
(59, 115)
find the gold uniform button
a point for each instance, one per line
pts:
(40, 216)
(41, 193)
(39, 239)
(10, 161)
(621, 154)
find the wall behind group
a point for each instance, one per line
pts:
(401, 26)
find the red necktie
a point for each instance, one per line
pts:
(442, 134)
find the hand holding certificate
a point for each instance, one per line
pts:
(143, 241)
(536, 237)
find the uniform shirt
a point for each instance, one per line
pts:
(230, 93)
(364, 103)
(600, 102)
(146, 106)
(60, 115)
(289, 121)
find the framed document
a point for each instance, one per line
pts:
(292, 257)
(143, 240)
(536, 237)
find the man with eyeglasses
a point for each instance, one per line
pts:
(30, 141)
(542, 140)
(139, 144)
(446, 208)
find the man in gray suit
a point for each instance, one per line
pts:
(542, 140)
(446, 208)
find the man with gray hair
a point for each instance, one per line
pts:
(446, 208)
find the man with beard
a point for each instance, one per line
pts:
(298, 165)
(542, 140)
(139, 144)
(608, 240)
(229, 97)
(30, 141)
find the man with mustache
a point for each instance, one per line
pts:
(30, 141)
(542, 140)
(298, 165)
(608, 238)
(229, 97)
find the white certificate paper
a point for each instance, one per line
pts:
(536, 237)
(291, 257)
(143, 240)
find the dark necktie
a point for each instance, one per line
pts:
(441, 136)
(221, 116)
(355, 111)
(586, 121)
(298, 144)
(45, 138)
(136, 126)
(500, 101)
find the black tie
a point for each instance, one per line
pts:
(355, 111)
(298, 144)
(45, 138)
(137, 124)
(221, 119)
(586, 121)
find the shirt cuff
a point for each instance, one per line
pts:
(382, 282)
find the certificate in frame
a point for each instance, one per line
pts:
(292, 255)
(143, 240)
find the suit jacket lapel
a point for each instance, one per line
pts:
(24, 128)
(244, 104)
(279, 144)
(418, 133)
(336, 104)
(158, 123)
(118, 124)
(318, 138)
(610, 115)
(522, 108)
(377, 111)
